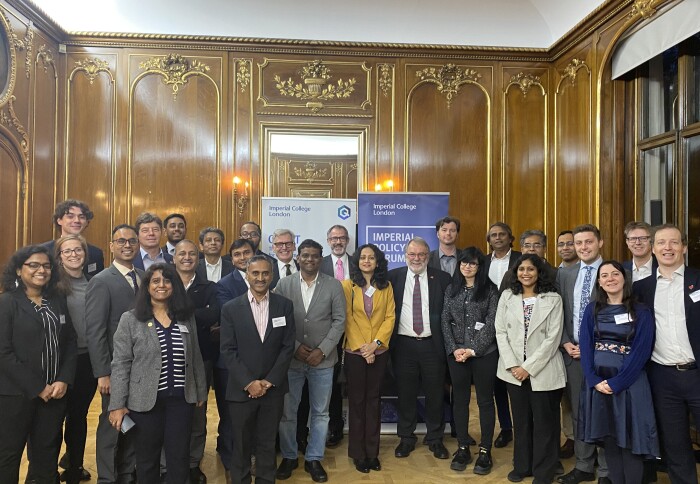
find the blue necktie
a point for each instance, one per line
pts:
(585, 297)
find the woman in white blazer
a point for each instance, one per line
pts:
(529, 324)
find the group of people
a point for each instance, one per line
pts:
(275, 336)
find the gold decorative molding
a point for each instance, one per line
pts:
(571, 70)
(91, 67)
(45, 55)
(643, 8)
(25, 44)
(8, 118)
(243, 73)
(449, 78)
(315, 115)
(386, 82)
(175, 69)
(525, 82)
(316, 77)
(12, 68)
(310, 171)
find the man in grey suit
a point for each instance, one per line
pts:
(319, 317)
(109, 294)
(576, 285)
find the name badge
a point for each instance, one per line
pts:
(183, 328)
(478, 326)
(92, 267)
(695, 296)
(370, 290)
(622, 318)
(62, 319)
(279, 322)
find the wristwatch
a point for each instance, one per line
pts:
(379, 343)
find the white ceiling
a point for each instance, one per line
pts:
(503, 23)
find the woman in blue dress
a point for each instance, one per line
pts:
(616, 339)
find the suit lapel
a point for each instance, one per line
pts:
(542, 308)
(26, 305)
(272, 309)
(400, 287)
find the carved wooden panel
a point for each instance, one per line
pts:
(11, 198)
(313, 176)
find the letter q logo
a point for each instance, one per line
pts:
(344, 212)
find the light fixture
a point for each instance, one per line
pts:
(240, 199)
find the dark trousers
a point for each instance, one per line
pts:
(114, 451)
(500, 394)
(481, 370)
(254, 426)
(536, 428)
(417, 364)
(335, 409)
(167, 425)
(624, 467)
(364, 406)
(80, 397)
(675, 394)
(22, 419)
(224, 441)
(303, 413)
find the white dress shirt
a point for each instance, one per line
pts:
(406, 320)
(672, 345)
(307, 291)
(643, 271)
(282, 266)
(213, 270)
(499, 267)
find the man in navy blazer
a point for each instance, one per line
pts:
(149, 229)
(638, 238)
(418, 352)
(673, 372)
(257, 344)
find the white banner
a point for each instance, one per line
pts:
(308, 218)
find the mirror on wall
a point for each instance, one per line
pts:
(7, 58)
(314, 161)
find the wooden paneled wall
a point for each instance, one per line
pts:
(163, 124)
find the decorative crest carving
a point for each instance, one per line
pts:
(525, 82)
(449, 78)
(642, 8)
(92, 67)
(45, 55)
(310, 171)
(316, 86)
(175, 69)
(244, 68)
(385, 78)
(25, 45)
(572, 69)
(8, 118)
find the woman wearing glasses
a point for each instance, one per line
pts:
(71, 252)
(37, 363)
(468, 318)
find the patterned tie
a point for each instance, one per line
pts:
(339, 272)
(288, 272)
(417, 307)
(132, 274)
(585, 297)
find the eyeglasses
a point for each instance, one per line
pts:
(337, 239)
(35, 265)
(536, 245)
(417, 255)
(122, 242)
(469, 264)
(279, 245)
(565, 244)
(249, 235)
(76, 251)
(641, 239)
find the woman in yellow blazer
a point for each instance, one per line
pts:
(368, 327)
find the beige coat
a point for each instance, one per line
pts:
(544, 361)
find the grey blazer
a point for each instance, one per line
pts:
(137, 364)
(323, 324)
(544, 362)
(566, 281)
(108, 296)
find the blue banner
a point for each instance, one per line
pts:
(391, 220)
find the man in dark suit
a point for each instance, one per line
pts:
(149, 229)
(418, 352)
(257, 344)
(638, 238)
(576, 284)
(110, 294)
(72, 217)
(673, 372)
(213, 266)
(500, 260)
(445, 256)
(283, 245)
(175, 226)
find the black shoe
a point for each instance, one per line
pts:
(461, 458)
(334, 438)
(77, 475)
(197, 476)
(284, 471)
(314, 467)
(483, 464)
(515, 476)
(604, 480)
(566, 451)
(503, 438)
(559, 469)
(374, 464)
(404, 449)
(576, 476)
(439, 450)
(64, 462)
(361, 465)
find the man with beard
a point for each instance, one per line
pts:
(175, 231)
(445, 256)
(565, 248)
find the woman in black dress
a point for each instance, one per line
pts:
(616, 411)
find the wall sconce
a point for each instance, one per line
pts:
(389, 185)
(240, 199)
(378, 187)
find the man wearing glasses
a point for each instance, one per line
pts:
(252, 231)
(283, 246)
(418, 352)
(638, 238)
(109, 294)
(565, 248)
(532, 242)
